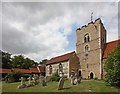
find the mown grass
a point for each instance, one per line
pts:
(84, 86)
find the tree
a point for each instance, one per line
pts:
(18, 61)
(6, 59)
(21, 62)
(112, 67)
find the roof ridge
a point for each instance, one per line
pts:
(63, 55)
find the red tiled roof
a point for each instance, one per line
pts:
(60, 58)
(21, 70)
(110, 47)
(34, 70)
(5, 70)
(30, 70)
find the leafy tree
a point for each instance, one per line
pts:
(112, 67)
(21, 62)
(18, 61)
(6, 59)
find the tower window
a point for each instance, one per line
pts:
(87, 48)
(86, 38)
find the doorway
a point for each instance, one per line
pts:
(80, 73)
(91, 75)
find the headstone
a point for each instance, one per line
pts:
(22, 79)
(61, 82)
(29, 82)
(22, 84)
(75, 79)
(72, 79)
(43, 81)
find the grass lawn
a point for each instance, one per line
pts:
(84, 86)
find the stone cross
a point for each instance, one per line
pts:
(29, 78)
(21, 80)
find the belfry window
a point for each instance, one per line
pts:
(86, 38)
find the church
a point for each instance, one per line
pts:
(91, 53)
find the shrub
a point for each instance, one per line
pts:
(95, 78)
(15, 76)
(55, 77)
(112, 67)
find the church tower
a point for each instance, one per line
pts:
(90, 42)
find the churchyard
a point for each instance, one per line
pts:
(84, 86)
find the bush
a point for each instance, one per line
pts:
(55, 77)
(95, 78)
(112, 67)
(15, 76)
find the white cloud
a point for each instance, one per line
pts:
(40, 30)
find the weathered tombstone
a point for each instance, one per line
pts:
(72, 79)
(22, 84)
(43, 81)
(61, 81)
(29, 82)
(35, 78)
(79, 80)
(21, 80)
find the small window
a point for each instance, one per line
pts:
(86, 48)
(86, 38)
(50, 69)
(87, 65)
(60, 68)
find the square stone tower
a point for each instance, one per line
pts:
(90, 42)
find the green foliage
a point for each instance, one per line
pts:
(5, 59)
(55, 77)
(21, 62)
(15, 62)
(112, 67)
(95, 78)
(15, 76)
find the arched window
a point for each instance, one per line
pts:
(50, 69)
(60, 68)
(86, 38)
(87, 48)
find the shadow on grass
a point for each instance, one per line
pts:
(66, 88)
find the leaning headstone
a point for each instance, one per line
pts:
(61, 82)
(22, 84)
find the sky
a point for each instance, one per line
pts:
(41, 30)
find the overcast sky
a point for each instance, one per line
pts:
(43, 30)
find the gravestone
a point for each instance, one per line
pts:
(72, 79)
(61, 81)
(22, 84)
(29, 82)
(42, 80)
